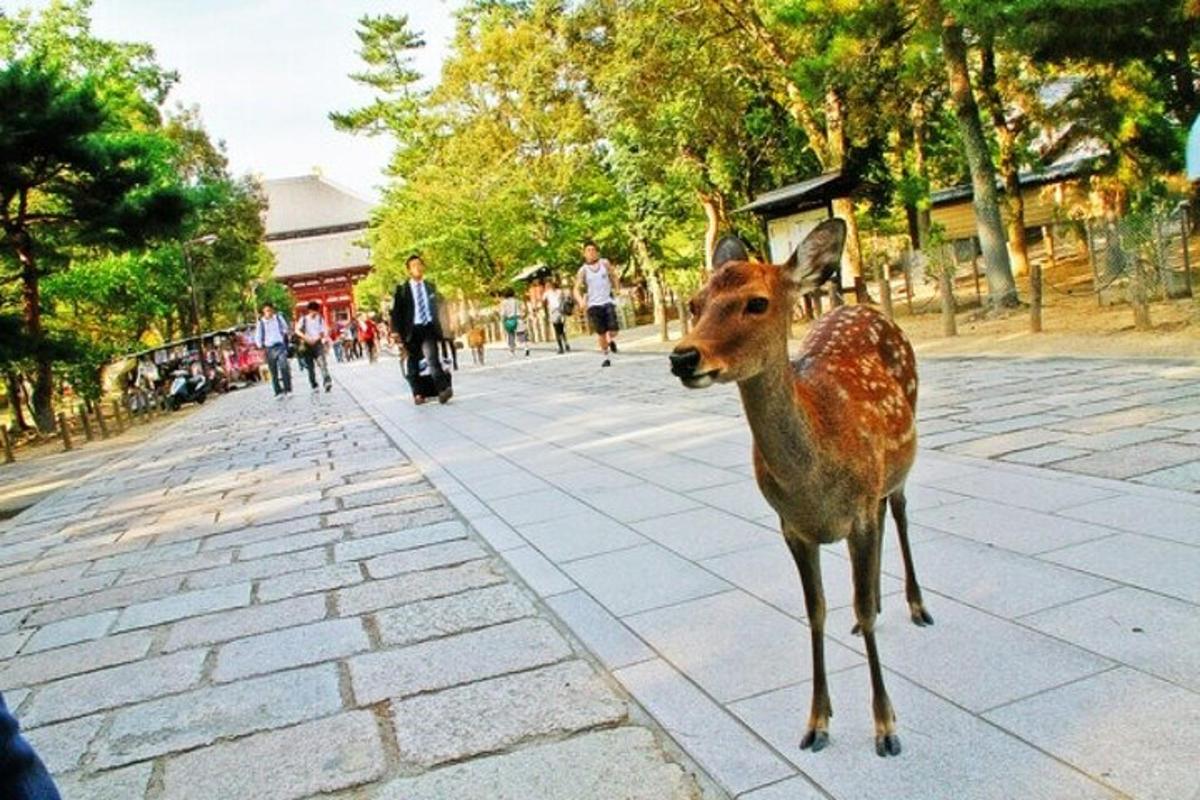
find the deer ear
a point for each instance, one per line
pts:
(729, 248)
(819, 256)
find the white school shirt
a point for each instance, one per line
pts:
(418, 317)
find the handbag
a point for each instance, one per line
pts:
(510, 324)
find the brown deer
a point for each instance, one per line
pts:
(834, 431)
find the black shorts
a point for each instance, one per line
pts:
(603, 318)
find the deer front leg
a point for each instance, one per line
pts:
(864, 559)
(912, 590)
(808, 561)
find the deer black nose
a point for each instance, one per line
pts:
(684, 362)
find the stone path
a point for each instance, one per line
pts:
(270, 601)
(1066, 654)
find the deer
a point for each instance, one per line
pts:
(834, 432)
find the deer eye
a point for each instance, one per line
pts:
(756, 305)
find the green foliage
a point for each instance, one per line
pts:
(99, 189)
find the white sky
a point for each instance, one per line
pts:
(266, 73)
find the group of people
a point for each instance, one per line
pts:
(595, 288)
(416, 327)
(309, 340)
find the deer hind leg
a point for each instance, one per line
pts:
(864, 559)
(808, 562)
(879, 518)
(912, 590)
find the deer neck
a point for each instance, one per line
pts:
(779, 420)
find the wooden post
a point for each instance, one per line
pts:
(100, 421)
(1138, 296)
(86, 423)
(116, 407)
(908, 283)
(1048, 246)
(1187, 259)
(1035, 296)
(7, 444)
(975, 271)
(1091, 253)
(684, 325)
(885, 289)
(946, 279)
(64, 431)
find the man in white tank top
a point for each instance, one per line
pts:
(596, 286)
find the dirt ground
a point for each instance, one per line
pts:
(1071, 326)
(1073, 323)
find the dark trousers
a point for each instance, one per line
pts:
(22, 774)
(560, 336)
(281, 370)
(423, 343)
(311, 358)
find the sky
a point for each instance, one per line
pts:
(266, 73)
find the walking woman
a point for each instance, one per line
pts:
(513, 318)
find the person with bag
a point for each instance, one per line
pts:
(271, 334)
(311, 349)
(514, 323)
(415, 324)
(368, 334)
(559, 306)
(596, 286)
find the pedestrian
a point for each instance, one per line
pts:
(338, 355)
(559, 306)
(313, 333)
(415, 324)
(352, 339)
(368, 334)
(515, 329)
(23, 776)
(596, 285)
(271, 335)
(475, 340)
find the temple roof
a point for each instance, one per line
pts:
(311, 203)
(310, 255)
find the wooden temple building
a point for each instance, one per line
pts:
(316, 229)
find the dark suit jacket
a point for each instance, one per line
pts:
(403, 311)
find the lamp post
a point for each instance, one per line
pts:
(187, 263)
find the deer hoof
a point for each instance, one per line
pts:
(920, 617)
(814, 740)
(887, 745)
(856, 630)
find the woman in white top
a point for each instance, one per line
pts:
(512, 318)
(554, 299)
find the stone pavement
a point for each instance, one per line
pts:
(270, 601)
(1065, 662)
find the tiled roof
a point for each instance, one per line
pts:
(311, 203)
(314, 254)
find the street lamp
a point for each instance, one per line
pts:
(187, 263)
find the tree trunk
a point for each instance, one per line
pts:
(43, 380)
(843, 207)
(1002, 289)
(16, 402)
(1010, 169)
(924, 216)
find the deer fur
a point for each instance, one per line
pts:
(834, 432)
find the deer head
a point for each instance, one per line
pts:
(742, 314)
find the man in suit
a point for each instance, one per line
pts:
(415, 324)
